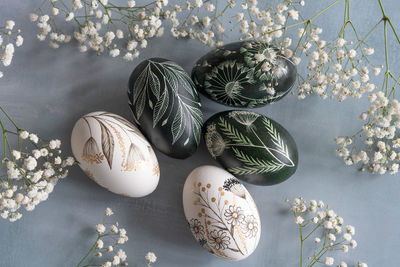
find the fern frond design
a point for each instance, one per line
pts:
(232, 133)
(253, 165)
(275, 137)
(253, 170)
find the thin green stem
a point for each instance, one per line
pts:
(88, 253)
(301, 245)
(315, 228)
(9, 118)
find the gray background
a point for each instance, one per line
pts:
(47, 90)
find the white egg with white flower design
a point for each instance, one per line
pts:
(221, 213)
(115, 154)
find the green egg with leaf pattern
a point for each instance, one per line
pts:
(251, 146)
(166, 106)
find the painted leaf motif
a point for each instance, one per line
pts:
(139, 103)
(254, 165)
(166, 92)
(233, 134)
(171, 79)
(179, 75)
(197, 121)
(154, 84)
(107, 143)
(126, 123)
(140, 85)
(161, 107)
(282, 149)
(178, 125)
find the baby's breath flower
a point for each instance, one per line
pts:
(99, 28)
(9, 39)
(324, 230)
(329, 261)
(106, 247)
(151, 257)
(28, 177)
(100, 228)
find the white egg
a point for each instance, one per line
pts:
(221, 213)
(115, 154)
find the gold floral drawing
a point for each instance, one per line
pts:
(226, 226)
(91, 152)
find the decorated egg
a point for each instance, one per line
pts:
(251, 146)
(113, 153)
(166, 106)
(244, 74)
(221, 213)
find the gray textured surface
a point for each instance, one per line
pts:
(47, 90)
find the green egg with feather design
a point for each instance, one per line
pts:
(166, 106)
(244, 74)
(251, 146)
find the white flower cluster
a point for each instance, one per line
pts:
(382, 153)
(106, 247)
(151, 258)
(30, 175)
(338, 68)
(103, 26)
(9, 39)
(326, 228)
(266, 24)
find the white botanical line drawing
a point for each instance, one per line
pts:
(262, 62)
(165, 88)
(236, 140)
(226, 81)
(92, 152)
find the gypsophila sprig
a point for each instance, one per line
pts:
(337, 68)
(320, 226)
(100, 25)
(9, 39)
(106, 251)
(29, 170)
(379, 136)
(106, 248)
(204, 21)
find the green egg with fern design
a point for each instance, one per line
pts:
(251, 146)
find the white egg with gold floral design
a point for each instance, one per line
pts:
(221, 213)
(115, 154)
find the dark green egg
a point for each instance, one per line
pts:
(166, 106)
(244, 74)
(251, 146)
